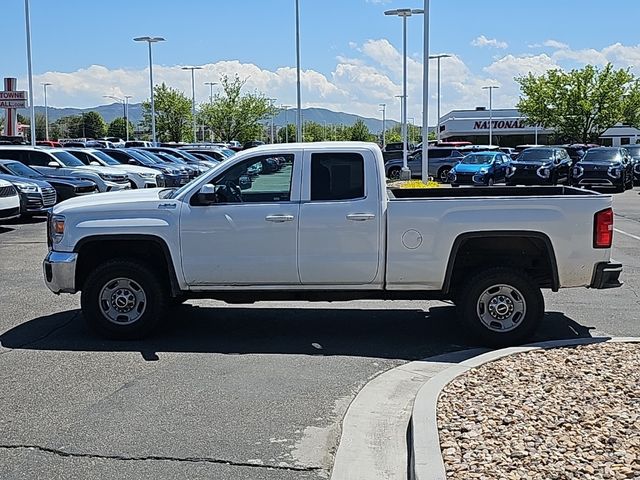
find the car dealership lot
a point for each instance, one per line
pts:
(225, 391)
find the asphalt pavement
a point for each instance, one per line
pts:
(226, 391)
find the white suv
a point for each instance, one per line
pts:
(9, 201)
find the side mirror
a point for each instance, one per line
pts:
(94, 163)
(133, 161)
(53, 164)
(245, 182)
(207, 194)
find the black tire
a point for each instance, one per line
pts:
(443, 174)
(490, 182)
(394, 173)
(517, 290)
(620, 188)
(140, 278)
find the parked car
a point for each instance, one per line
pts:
(48, 143)
(481, 168)
(634, 151)
(329, 231)
(192, 170)
(604, 167)
(214, 153)
(59, 162)
(139, 177)
(441, 161)
(172, 176)
(540, 166)
(9, 201)
(36, 196)
(66, 187)
(137, 143)
(576, 151)
(251, 144)
(200, 165)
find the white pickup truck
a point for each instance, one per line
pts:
(317, 222)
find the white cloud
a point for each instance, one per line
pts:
(556, 44)
(483, 41)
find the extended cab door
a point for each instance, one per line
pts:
(340, 219)
(247, 235)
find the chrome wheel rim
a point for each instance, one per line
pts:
(122, 301)
(501, 308)
(444, 175)
(394, 173)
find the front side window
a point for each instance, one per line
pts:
(260, 179)
(67, 159)
(337, 176)
(39, 159)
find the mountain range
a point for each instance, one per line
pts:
(319, 115)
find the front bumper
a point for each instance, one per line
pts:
(606, 275)
(116, 187)
(60, 271)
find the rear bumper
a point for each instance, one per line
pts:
(606, 275)
(60, 271)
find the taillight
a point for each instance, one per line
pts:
(603, 229)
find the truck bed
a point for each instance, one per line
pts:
(495, 191)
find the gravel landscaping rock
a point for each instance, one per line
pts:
(547, 414)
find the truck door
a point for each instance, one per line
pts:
(339, 232)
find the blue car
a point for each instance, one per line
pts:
(481, 168)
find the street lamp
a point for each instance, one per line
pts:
(298, 100)
(412, 122)
(46, 111)
(193, 99)
(211, 84)
(404, 13)
(425, 93)
(438, 58)
(126, 116)
(271, 100)
(383, 109)
(490, 88)
(27, 20)
(149, 41)
(286, 122)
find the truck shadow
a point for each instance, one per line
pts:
(379, 333)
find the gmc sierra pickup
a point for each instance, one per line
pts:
(324, 226)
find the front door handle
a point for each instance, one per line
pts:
(360, 217)
(279, 218)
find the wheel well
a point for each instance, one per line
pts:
(531, 253)
(152, 252)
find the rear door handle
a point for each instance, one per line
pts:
(360, 217)
(279, 218)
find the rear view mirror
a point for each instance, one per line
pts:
(207, 194)
(53, 164)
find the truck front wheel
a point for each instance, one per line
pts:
(501, 306)
(123, 299)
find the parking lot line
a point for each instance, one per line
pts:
(625, 233)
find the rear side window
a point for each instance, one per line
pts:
(9, 155)
(39, 159)
(337, 176)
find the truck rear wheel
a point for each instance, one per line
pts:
(501, 306)
(123, 299)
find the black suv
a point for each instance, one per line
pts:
(634, 151)
(540, 166)
(604, 167)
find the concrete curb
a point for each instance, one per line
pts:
(426, 461)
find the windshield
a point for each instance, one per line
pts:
(478, 159)
(634, 151)
(68, 160)
(106, 158)
(187, 155)
(601, 156)
(21, 170)
(170, 158)
(144, 156)
(536, 155)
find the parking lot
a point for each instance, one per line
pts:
(226, 391)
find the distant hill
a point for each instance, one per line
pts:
(319, 115)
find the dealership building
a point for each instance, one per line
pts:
(510, 129)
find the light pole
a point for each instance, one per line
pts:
(490, 88)
(126, 116)
(211, 84)
(286, 122)
(27, 20)
(425, 93)
(149, 41)
(271, 100)
(404, 13)
(193, 99)
(383, 109)
(412, 122)
(298, 100)
(46, 111)
(438, 58)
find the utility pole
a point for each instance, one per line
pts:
(383, 109)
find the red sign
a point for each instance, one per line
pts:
(17, 95)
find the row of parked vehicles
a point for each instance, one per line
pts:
(583, 166)
(33, 179)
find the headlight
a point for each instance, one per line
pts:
(26, 187)
(483, 171)
(148, 176)
(57, 228)
(615, 171)
(511, 171)
(108, 178)
(544, 171)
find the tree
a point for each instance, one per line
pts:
(360, 132)
(233, 115)
(173, 114)
(117, 128)
(580, 105)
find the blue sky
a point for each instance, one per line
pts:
(349, 48)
